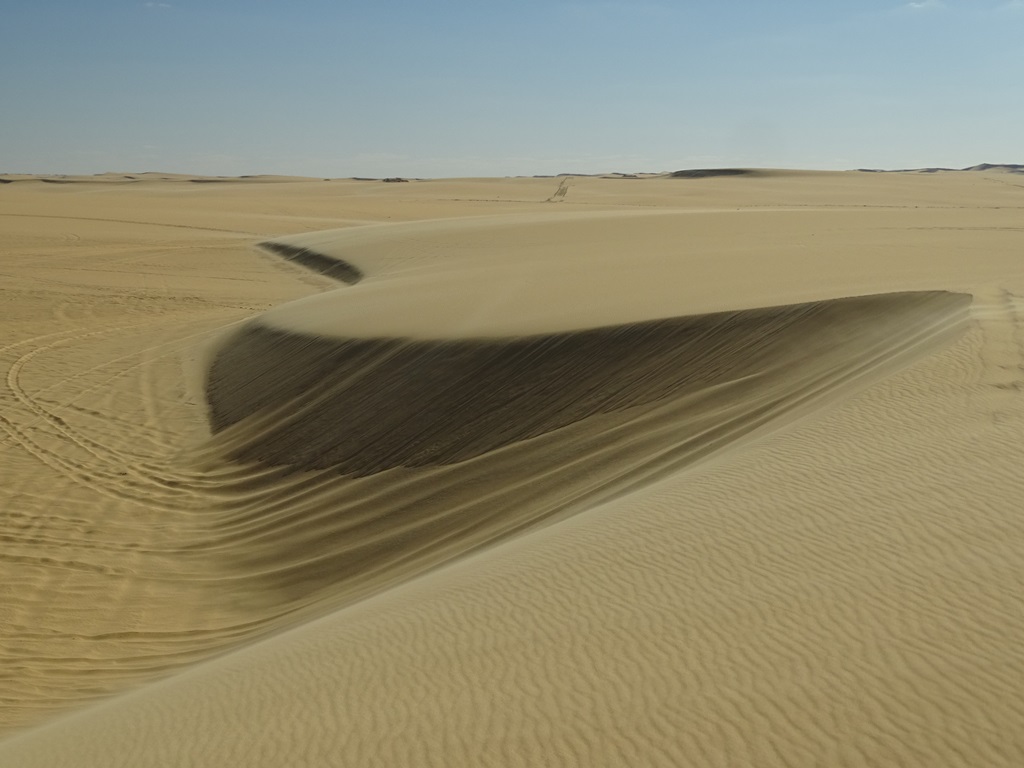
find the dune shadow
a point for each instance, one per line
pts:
(707, 173)
(363, 461)
(337, 269)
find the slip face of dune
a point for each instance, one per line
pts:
(364, 405)
(579, 471)
(410, 452)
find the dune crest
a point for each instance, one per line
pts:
(391, 456)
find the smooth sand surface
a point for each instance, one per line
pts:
(714, 470)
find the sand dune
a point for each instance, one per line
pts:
(563, 420)
(577, 471)
(412, 403)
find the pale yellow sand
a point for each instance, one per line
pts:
(811, 554)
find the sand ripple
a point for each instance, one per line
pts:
(522, 493)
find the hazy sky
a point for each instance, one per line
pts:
(413, 88)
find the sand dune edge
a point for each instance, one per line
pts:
(372, 460)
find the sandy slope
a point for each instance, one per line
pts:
(786, 537)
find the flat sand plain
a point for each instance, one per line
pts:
(581, 471)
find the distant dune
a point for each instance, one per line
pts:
(1008, 167)
(440, 473)
(1011, 167)
(705, 173)
(690, 173)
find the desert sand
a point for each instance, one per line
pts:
(709, 469)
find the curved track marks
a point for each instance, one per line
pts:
(102, 586)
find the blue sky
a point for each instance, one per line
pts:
(396, 87)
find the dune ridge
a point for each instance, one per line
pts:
(382, 403)
(434, 449)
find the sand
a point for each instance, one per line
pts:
(714, 469)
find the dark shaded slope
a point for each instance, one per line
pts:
(318, 262)
(357, 463)
(365, 405)
(706, 173)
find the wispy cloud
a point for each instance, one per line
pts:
(925, 5)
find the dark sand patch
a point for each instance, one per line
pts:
(318, 262)
(707, 173)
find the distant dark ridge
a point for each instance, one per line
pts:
(318, 262)
(1008, 167)
(1011, 167)
(705, 173)
(6, 181)
(910, 170)
(211, 181)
